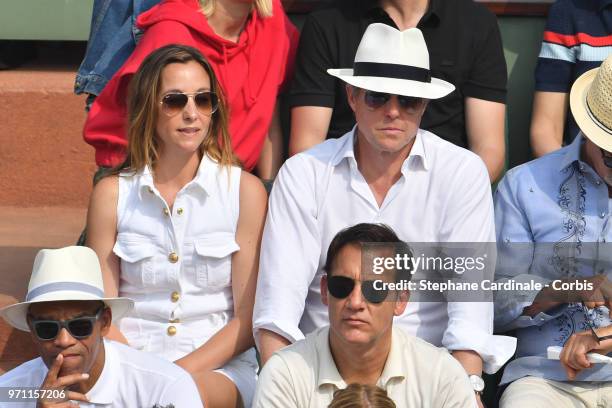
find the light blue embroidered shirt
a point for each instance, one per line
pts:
(555, 202)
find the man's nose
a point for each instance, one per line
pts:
(392, 107)
(356, 300)
(64, 338)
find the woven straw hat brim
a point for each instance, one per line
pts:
(578, 106)
(435, 89)
(15, 314)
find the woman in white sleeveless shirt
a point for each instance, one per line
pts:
(178, 229)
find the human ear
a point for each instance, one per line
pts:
(351, 95)
(105, 321)
(324, 298)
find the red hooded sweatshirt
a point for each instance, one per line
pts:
(251, 73)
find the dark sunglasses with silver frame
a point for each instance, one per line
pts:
(375, 100)
(79, 327)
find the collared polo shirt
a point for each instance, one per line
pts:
(577, 38)
(416, 374)
(442, 195)
(464, 45)
(130, 378)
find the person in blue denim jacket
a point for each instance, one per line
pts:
(112, 39)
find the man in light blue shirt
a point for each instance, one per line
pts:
(554, 228)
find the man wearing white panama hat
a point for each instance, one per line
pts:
(563, 198)
(67, 314)
(386, 170)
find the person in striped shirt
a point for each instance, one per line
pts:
(577, 38)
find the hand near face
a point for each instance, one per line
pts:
(573, 356)
(53, 382)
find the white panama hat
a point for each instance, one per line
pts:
(71, 273)
(395, 62)
(591, 104)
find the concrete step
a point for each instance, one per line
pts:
(43, 159)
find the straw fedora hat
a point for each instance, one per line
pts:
(591, 104)
(71, 273)
(395, 62)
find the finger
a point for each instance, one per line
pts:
(76, 396)
(571, 373)
(67, 380)
(54, 370)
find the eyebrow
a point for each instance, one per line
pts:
(181, 91)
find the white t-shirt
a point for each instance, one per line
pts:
(416, 374)
(130, 378)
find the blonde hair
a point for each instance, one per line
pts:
(263, 7)
(143, 103)
(361, 396)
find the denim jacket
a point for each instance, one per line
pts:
(112, 38)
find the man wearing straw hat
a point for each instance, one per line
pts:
(562, 199)
(67, 315)
(385, 170)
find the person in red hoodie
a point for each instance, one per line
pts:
(251, 47)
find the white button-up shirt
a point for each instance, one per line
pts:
(443, 195)
(130, 378)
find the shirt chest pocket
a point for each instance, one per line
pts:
(213, 260)
(137, 266)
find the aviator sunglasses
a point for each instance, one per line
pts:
(79, 327)
(206, 102)
(410, 104)
(341, 286)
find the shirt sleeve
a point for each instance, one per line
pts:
(454, 387)
(488, 74)
(556, 62)
(290, 252)
(516, 249)
(469, 219)
(312, 85)
(182, 392)
(274, 386)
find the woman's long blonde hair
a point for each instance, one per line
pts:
(263, 7)
(361, 396)
(143, 109)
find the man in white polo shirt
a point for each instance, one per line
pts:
(385, 170)
(361, 345)
(67, 315)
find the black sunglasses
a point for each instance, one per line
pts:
(206, 102)
(341, 286)
(607, 158)
(79, 327)
(410, 104)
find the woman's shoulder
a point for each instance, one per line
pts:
(107, 187)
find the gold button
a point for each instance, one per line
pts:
(174, 297)
(174, 320)
(171, 331)
(166, 212)
(179, 211)
(173, 257)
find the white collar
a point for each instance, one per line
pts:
(347, 150)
